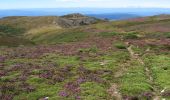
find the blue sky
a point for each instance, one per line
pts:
(14, 4)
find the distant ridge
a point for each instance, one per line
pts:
(106, 12)
(115, 16)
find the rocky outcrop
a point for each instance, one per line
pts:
(77, 19)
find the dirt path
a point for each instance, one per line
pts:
(148, 72)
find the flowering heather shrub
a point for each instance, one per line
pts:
(147, 95)
(80, 80)
(56, 75)
(26, 87)
(130, 98)
(2, 65)
(17, 67)
(2, 58)
(6, 97)
(77, 98)
(58, 78)
(7, 87)
(67, 68)
(22, 77)
(89, 75)
(61, 74)
(63, 94)
(95, 78)
(2, 73)
(72, 87)
(47, 75)
(83, 71)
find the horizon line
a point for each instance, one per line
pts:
(89, 8)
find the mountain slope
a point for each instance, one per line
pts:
(76, 27)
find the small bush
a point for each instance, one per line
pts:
(131, 36)
(167, 35)
(120, 45)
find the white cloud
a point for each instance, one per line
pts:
(113, 3)
(83, 3)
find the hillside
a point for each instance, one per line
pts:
(52, 29)
(76, 57)
(24, 25)
(60, 21)
(141, 26)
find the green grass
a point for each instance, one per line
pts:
(63, 37)
(92, 49)
(158, 35)
(140, 50)
(111, 61)
(42, 90)
(107, 34)
(60, 60)
(160, 66)
(10, 31)
(12, 41)
(11, 75)
(93, 91)
(134, 82)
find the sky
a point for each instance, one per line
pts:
(16, 4)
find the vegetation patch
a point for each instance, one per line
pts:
(10, 31)
(108, 34)
(120, 45)
(131, 35)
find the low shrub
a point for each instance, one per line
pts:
(167, 35)
(120, 45)
(131, 35)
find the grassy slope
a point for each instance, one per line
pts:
(43, 30)
(149, 25)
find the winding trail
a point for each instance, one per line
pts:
(148, 72)
(113, 90)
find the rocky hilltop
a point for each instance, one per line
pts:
(78, 20)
